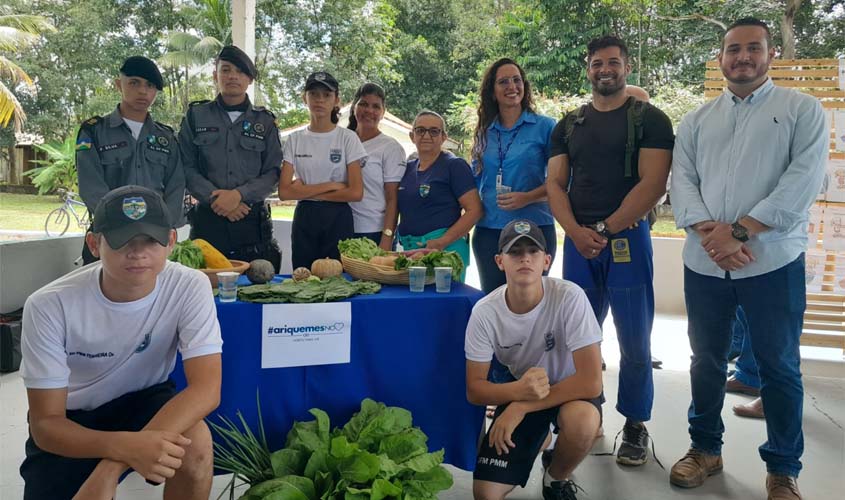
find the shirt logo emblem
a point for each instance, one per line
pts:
(424, 190)
(162, 141)
(335, 155)
(134, 208)
(144, 343)
(259, 127)
(151, 139)
(550, 341)
(247, 126)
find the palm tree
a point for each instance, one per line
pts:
(212, 19)
(17, 31)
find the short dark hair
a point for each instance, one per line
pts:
(750, 21)
(604, 42)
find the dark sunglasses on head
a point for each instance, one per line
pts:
(433, 131)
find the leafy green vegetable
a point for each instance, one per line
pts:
(326, 290)
(377, 455)
(360, 248)
(188, 254)
(437, 258)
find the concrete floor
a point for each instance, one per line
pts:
(600, 476)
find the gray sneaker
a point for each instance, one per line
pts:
(634, 448)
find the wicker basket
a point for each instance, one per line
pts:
(363, 270)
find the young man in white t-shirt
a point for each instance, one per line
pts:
(544, 331)
(98, 346)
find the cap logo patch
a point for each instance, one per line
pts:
(522, 227)
(320, 77)
(134, 208)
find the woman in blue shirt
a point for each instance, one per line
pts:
(438, 200)
(509, 157)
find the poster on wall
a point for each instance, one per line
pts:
(834, 228)
(814, 225)
(814, 270)
(835, 178)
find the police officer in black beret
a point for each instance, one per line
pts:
(232, 157)
(128, 147)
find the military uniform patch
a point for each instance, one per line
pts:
(83, 144)
(112, 147)
(259, 128)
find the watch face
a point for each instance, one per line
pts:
(600, 226)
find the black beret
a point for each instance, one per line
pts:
(143, 67)
(236, 56)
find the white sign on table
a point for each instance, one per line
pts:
(305, 334)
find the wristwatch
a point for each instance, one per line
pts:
(601, 228)
(739, 232)
(387, 232)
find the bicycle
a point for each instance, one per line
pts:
(58, 220)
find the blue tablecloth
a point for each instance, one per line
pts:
(407, 350)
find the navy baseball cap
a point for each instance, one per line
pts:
(144, 68)
(128, 211)
(517, 229)
(321, 79)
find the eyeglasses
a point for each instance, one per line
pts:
(433, 131)
(503, 82)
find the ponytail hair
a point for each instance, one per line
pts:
(368, 88)
(335, 114)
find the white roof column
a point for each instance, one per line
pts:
(243, 29)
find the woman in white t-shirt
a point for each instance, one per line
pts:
(321, 169)
(376, 214)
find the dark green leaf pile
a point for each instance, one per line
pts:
(360, 248)
(304, 292)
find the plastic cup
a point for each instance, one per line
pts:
(416, 278)
(443, 279)
(227, 284)
(502, 189)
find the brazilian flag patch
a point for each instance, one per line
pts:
(83, 144)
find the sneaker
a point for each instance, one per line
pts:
(781, 487)
(561, 490)
(634, 448)
(694, 468)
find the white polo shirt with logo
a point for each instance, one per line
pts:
(546, 336)
(319, 157)
(74, 337)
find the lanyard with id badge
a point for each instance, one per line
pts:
(501, 188)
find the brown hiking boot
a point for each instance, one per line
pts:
(782, 487)
(694, 468)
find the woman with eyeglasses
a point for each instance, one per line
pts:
(438, 200)
(326, 162)
(510, 153)
(375, 215)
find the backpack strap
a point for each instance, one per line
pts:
(571, 119)
(635, 113)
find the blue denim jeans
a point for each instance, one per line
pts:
(626, 288)
(485, 245)
(774, 305)
(746, 367)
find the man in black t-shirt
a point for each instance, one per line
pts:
(608, 168)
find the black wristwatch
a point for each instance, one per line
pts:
(601, 228)
(739, 232)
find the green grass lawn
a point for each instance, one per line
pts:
(28, 212)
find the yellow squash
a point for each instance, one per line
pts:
(213, 258)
